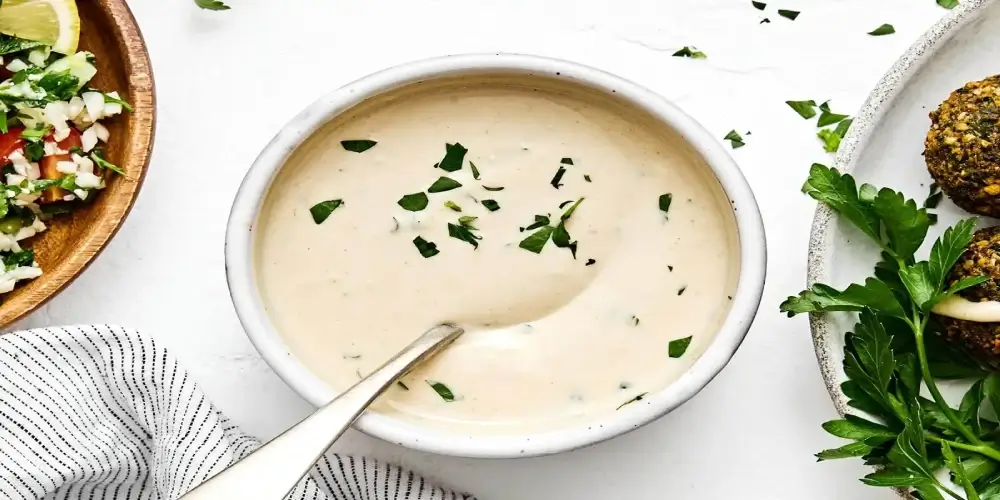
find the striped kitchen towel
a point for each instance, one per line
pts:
(101, 412)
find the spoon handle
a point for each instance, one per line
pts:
(271, 471)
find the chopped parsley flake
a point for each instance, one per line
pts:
(323, 209)
(885, 29)
(759, 5)
(536, 241)
(452, 205)
(680, 291)
(788, 14)
(828, 118)
(558, 177)
(35, 134)
(442, 391)
(453, 158)
(34, 151)
(805, 109)
(211, 5)
(540, 220)
(691, 52)
(413, 202)
(635, 322)
(490, 188)
(402, 385)
(563, 204)
(491, 205)
(735, 139)
(426, 248)
(678, 347)
(664, 202)
(831, 137)
(633, 400)
(586, 178)
(97, 156)
(566, 161)
(475, 171)
(443, 184)
(934, 196)
(590, 262)
(464, 231)
(948, 4)
(358, 145)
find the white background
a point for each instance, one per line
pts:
(227, 81)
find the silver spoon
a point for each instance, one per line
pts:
(271, 471)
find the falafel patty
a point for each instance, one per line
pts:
(981, 258)
(962, 149)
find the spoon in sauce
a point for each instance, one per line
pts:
(274, 469)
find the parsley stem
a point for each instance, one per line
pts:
(983, 449)
(918, 325)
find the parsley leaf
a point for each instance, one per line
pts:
(356, 145)
(18, 259)
(664, 202)
(115, 100)
(759, 5)
(540, 220)
(905, 224)
(735, 139)
(34, 151)
(489, 188)
(442, 390)
(464, 232)
(831, 141)
(443, 184)
(413, 202)
(885, 29)
(11, 44)
(691, 52)
(452, 205)
(788, 14)
(828, 118)
(558, 177)
(35, 134)
(948, 4)
(475, 171)
(491, 205)
(828, 186)
(566, 161)
(211, 5)
(633, 400)
(97, 156)
(322, 210)
(453, 158)
(678, 347)
(536, 241)
(426, 248)
(805, 109)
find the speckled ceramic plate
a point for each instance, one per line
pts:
(884, 148)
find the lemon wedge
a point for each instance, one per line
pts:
(53, 22)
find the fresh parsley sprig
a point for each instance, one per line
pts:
(886, 357)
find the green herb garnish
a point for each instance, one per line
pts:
(788, 14)
(453, 158)
(566, 161)
(805, 109)
(115, 100)
(490, 188)
(475, 171)
(97, 156)
(664, 202)
(691, 52)
(442, 391)
(536, 241)
(828, 118)
(633, 400)
(558, 177)
(452, 205)
(934, 196)
(491, 205)
(323, 209)
(676, 348)
(885, 29)
(635, 322)
(35, 134)
(948, 4)
(735, 139)
(540, 220)
(590, 262)
(759, 5)
(11, 44)
(34, 151)
(586, 178)
(464, 231)
(211, 4)
(427, 249)
(3, 120)
(681, 290)
(402, 385)
(413, 202)
(18, 259)
(887, 360)
(443, 184)
(830, 138)
(357, 145)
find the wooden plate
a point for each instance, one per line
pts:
(74, 240)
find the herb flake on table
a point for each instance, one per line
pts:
(536, 241)
(402, 385)
(677, 347)
(587, 178)
(413, 202)
(475, 171)
(735, 139)
(948, 4)
(788, 14)
(452, 205)
(681, 290)
(443, 184)
(464, 231)
(322, 210)
(491, 205)
(827, 117)
(566, 161)
(690, 52)
(426, 248)
(590, 262)
(885, 29)
(454, 157)
(442, 390)
(664, 202)
(832, 137)
(540, 221)
(556, 180)
(759, 5)
(97, 156)
(635, 322)
(493, 188)
(211, 5)
(934, 197)
(358, 145)
(633, 400)
(805, 109)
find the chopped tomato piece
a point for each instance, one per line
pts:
(10, 142)
(48, 171)
(71, 141)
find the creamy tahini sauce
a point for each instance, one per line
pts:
(959, 307)
(550, 340)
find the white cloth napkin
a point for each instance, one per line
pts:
(101, 412)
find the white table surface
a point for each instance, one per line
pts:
(227, 81)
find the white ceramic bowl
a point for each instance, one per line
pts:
(240, 272)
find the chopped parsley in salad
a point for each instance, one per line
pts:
(51, 134)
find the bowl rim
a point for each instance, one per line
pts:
(141, 90)
(249, 308)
